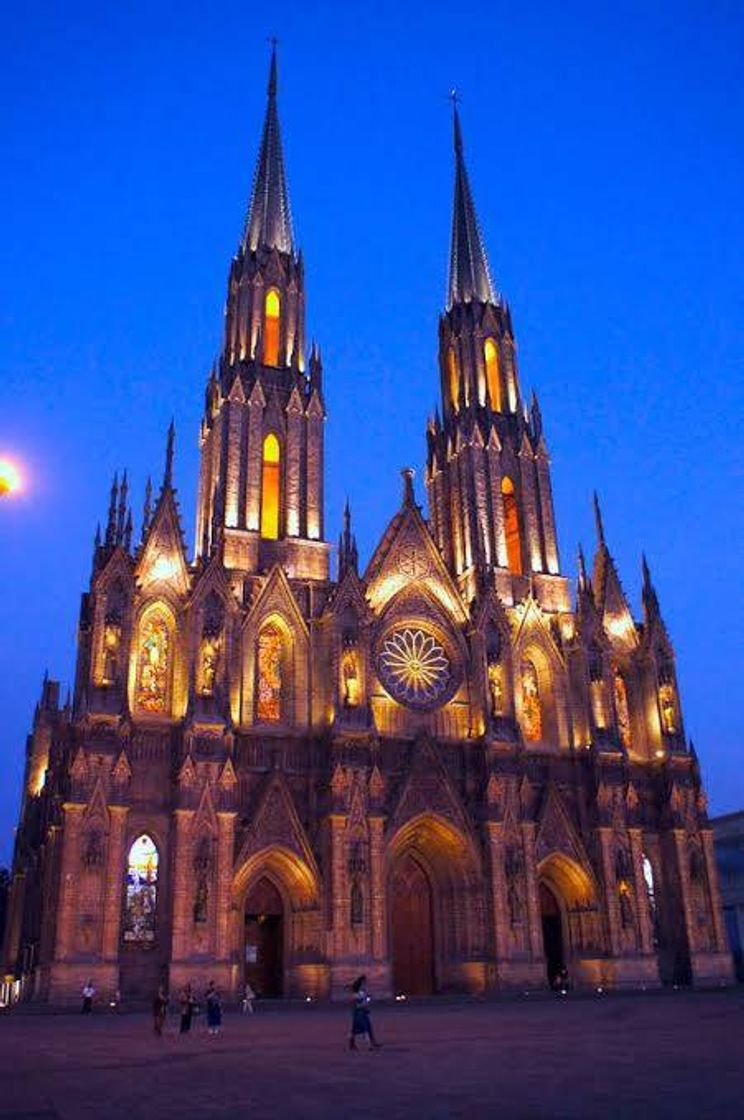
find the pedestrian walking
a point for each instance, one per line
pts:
(187, 1009)
(159, 1010)
(361, 1020)
(88, 993)
(248, 997)
(214, 1009)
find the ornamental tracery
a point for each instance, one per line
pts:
(414, 667)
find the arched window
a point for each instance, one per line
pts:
(511, 527)
(453, 376)
(140, 904)
(622, 711)
(531, 707)
(493, 379)
(269, 672)
(270, 487)
(272, 325)
(153, 662)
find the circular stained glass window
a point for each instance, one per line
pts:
(414, 667)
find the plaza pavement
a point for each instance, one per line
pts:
(674, 1055)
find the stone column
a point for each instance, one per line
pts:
(499, 915)
(377, 887)
(612, 906)
(69, 879)
(223, 884)
(645, 925)
(181, 885)
(339, 892)
(114, 884)
(721, 941)
(529, 829)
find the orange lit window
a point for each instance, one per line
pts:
(531, 708)
(272, 322)
(493, 381)
(269, 698)
(511, 527)
(270, 486)
(454, 377)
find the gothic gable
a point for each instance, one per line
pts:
(161, 565)
(555, 831)
(275, 823)
(427, 789)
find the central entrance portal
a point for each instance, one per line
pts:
(264, 939)
(552, 928)
(412, 931)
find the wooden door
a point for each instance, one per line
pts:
(412, 933)
(264, 939)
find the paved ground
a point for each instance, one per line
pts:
(671, 1055)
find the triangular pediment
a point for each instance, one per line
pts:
(117, 568)
(162, 561)
(556, 833)
(533, 626)
(407, 555)
(213, 579)
(275, 823)
(275, 597)
(349, 592)
(427, 790)
(97, 809)
(205, 818)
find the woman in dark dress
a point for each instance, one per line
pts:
(187, 1010)
(214, 1009)
(361, 1020)
(159, 1010)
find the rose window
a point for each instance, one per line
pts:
(414, 667)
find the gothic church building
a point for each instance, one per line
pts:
(450, 770)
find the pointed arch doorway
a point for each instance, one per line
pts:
(552, 931)
(412, 928)
(264, 939)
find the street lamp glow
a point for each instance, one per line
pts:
(10, 478)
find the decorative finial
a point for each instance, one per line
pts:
(170, 444)
(111, 523)
(582, 569)
(272, 40)
(408, 474)
(598, 521)
(457, 133)
(147, 508)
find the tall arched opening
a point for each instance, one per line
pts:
(435, 910)
(263, 939)
(570, 919)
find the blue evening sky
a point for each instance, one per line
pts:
(604, 145)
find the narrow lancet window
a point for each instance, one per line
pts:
(269, 675)
(270, 488)
(453, 377)
(511, 527)
(493, 379)
(140, 905)
(272, 324)
(531, 707)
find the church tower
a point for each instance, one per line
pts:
(488, 472)
(261, 481)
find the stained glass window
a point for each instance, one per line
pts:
(453, 375)
(491, 357)
(414, 667)
(153, 663)
(531, 709)
(622, 711)
(272, 321)
(270, 648)
(142, 891)
(511, 527)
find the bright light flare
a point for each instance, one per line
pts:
(10, 478)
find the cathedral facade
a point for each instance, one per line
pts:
(451, 771)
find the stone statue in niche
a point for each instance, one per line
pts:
(496, 688)
(111, 647)
(92, 857)
(350, 677)
(513, 867)
(357, 904)
(209, 657)
(626, 906)
(202, 865)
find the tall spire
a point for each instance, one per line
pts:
(469, 275)
(169, 447)
(269, 221)
(598, 521)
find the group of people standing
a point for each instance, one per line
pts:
(188, 1006)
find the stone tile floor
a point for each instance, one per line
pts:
(667, 1055)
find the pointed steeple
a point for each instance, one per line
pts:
(147, 508)
(122, 510)
(648, 593)
(348, 554)
(269, 221)
(598, 522)
(169, 448)
(469, 274)
(111, 522)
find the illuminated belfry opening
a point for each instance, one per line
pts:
(493, 381)
(272, 324)
(453, 377)
(511, 527)
(270, 488)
